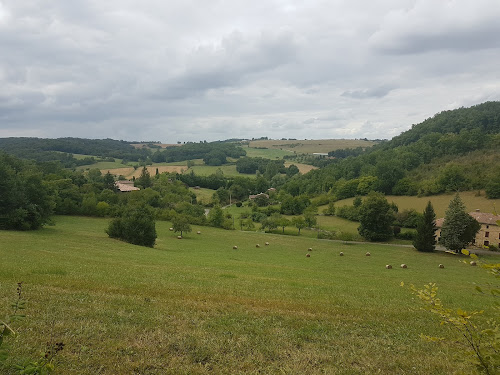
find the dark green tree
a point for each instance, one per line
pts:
(109, 182)
(144, 180)
(299, 222)
(135, 225)
(26, 202)
(216, 217)
(459, 228)
(330, 210)
(180, 223)
(493, 187)
(271, 222)
(376, 217)
(310, 216)
(283, 222)
(425, 239)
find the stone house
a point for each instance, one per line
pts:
(489, 234)
(125, 186)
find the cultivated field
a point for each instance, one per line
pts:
(311, 146)
(196, 306)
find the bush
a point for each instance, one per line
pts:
(326, 235)
(135, 226)
(409, 235)
(493, 248)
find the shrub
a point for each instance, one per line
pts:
(135, 225)
(409, 235)
(326, 235)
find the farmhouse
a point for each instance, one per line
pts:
(125, 186)
(489, 234)
(252, 197)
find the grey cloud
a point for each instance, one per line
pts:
(444, 25)
(235, 59)
(377, 92)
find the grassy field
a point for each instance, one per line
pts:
(203, 195)
(228, 170)
(440, 202)
(311, 146)
(196, 306)
(266, 153)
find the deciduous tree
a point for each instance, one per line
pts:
(376, 217)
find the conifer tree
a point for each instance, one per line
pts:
(426, 230)
(459, 228)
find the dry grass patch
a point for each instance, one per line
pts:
(311, 146)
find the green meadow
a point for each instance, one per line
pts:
(198, 306)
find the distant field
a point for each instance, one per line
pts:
(311, 146)
(206, 170)
(203, 195)
(303, 168)
(102, 165)
(130, 172)
(441, 202)
(196, 306)
(82, 156)
(162, 145)
(267, 153)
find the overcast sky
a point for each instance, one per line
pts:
(193, 70)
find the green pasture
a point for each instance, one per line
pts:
(203, 195)
(207, 170)
(266, 153)
(197, 306)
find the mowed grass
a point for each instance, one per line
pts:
(196, 306)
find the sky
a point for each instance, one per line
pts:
(193, 70)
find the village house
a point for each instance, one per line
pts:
(124, 186)
(489, 234)
(252, 197)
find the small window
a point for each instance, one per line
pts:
(486, 234)
(486, 243)
(487, 226)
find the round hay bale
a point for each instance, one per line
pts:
(388, 266)
(341, 254)
(310, 249)
(179, 237)
(404, 266)
(441, 266)
(308, 255)
(171, 229)
(473, 263)
(198, 232)
(267, 243)
(257, 245)
(235, 247)
(368, 254)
